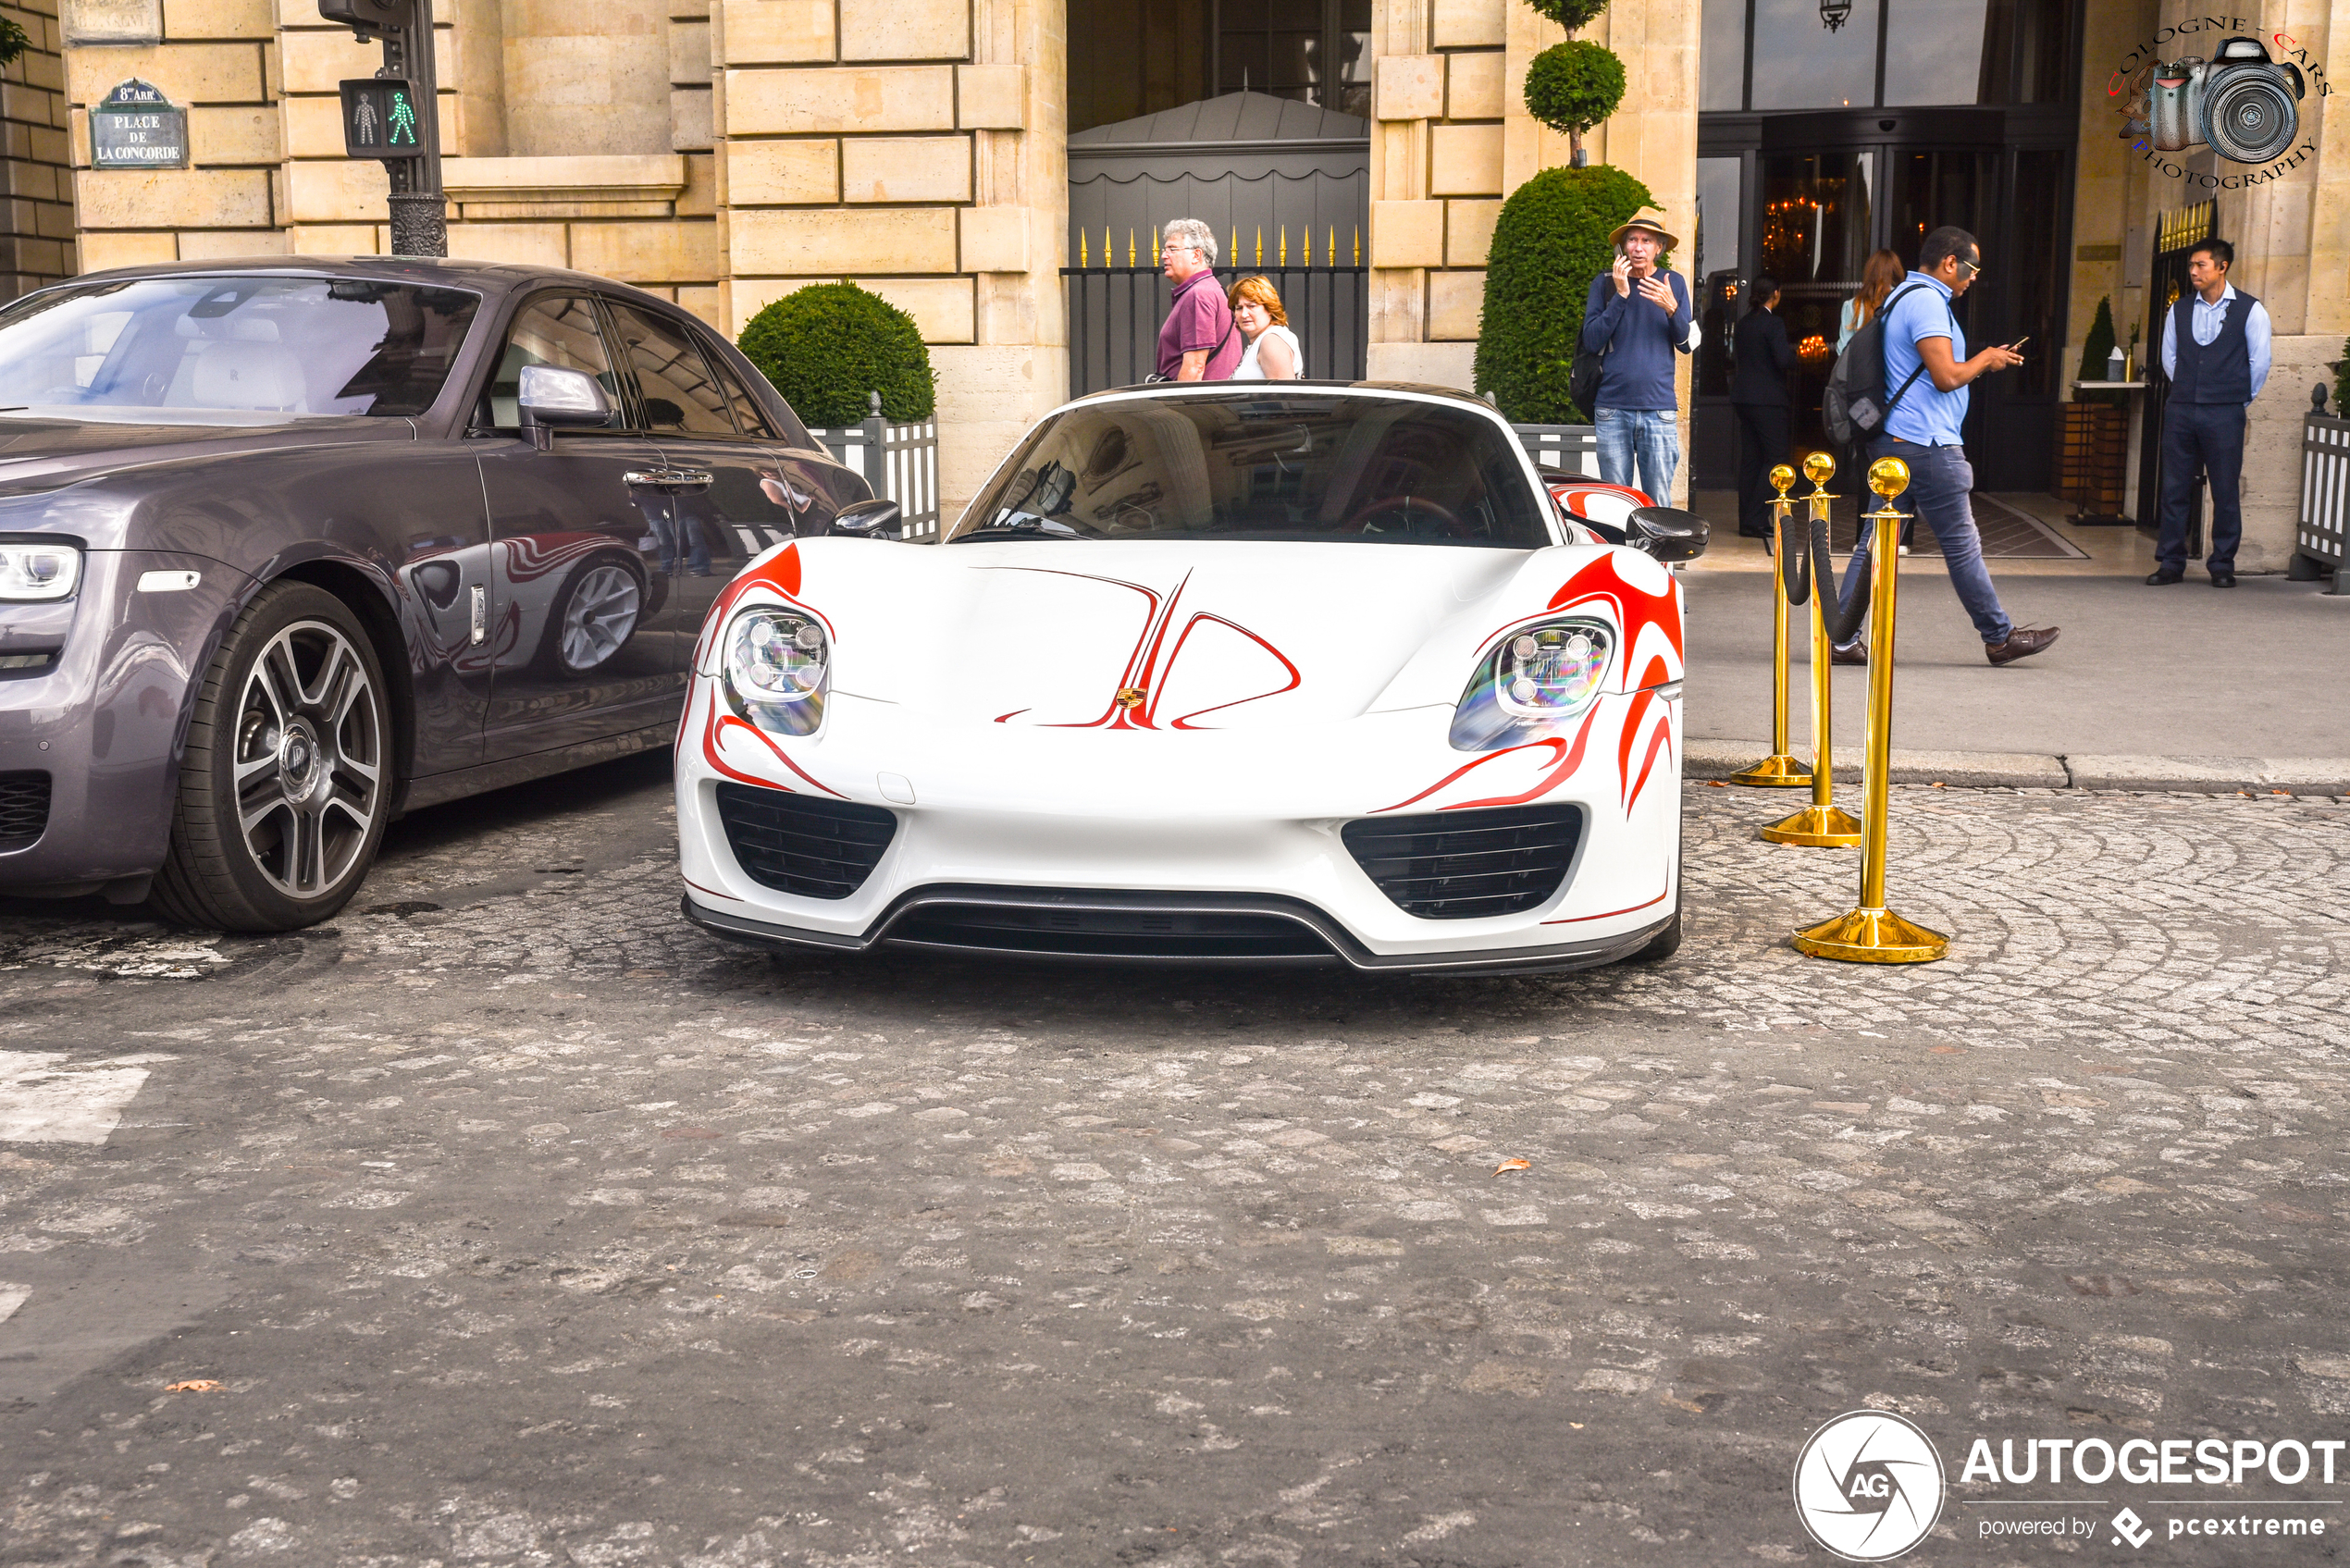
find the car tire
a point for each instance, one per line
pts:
(1668, 942)
(286, 782)
(601, 605)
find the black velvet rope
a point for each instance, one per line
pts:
(1798, 569)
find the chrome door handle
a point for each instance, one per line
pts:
(670, 478)
(478, 632)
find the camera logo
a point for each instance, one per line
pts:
(2243, 105)
(1868, 1486)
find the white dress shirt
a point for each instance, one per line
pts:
(2206, 322)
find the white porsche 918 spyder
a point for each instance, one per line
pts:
(1293, 673)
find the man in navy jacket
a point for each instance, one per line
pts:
(1638, 313)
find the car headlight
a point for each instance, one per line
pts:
(777, 667)
(1533, 678)
(38, 571)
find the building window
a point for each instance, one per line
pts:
(1132, 58)
(1781, 55)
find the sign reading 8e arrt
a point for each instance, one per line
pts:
(379, 119)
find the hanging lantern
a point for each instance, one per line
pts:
(1833, 12)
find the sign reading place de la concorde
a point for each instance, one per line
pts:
(136, 126)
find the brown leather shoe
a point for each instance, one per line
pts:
(1855, 654)
(2023, 643)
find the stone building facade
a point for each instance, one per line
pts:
(725, 151)
(36, 234)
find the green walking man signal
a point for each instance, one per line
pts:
(379, 119)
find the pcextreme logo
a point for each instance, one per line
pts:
(1868, 1486)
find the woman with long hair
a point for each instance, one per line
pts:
(1879, 279)
(1273, 353)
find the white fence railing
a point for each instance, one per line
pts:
(2323, 533)
(900, 462)
(1571, 448)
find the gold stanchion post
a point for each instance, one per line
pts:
(1823, 823)
(1781, 769)
(1873, 933)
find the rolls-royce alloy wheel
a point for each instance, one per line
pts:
(284, 789)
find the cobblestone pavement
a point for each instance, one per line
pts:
(512, 1221)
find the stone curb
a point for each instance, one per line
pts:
(1708, 758)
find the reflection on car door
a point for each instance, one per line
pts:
(732, 495)
(583, 637)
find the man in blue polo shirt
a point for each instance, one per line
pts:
(1925, 352)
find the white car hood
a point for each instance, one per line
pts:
(1191, 636)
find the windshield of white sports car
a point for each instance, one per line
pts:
(290, 346)
(1278, 467)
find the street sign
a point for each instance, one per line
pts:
(135, 127)
(379, 119)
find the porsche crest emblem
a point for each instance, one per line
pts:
(1131, 697)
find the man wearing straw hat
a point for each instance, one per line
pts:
(1637, 315)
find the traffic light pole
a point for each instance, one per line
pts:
(419, 210)
(397, 112)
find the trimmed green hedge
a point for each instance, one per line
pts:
(1572, 15)
(1572, 86)
(828, 345)
(1550, 243)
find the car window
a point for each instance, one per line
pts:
(680, 396)
(553, 329)
(148, 347)
(747, 411)
(1267, 466)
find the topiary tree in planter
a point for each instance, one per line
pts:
(2096, 349)
(1573, 86)
(1549, 243)
(826, 347)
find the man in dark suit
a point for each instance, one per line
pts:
(2215, 343)
(1759, 392)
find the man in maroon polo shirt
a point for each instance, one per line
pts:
(1198, 342)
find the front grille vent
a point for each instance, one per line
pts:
(1099, 933)
(24, 808)
(802, 844)
(1462, 865)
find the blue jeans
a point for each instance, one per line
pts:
(1646, 441)
(1940, 481)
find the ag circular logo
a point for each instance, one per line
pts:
(1868, 1486)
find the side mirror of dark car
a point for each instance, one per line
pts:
(1667, 533)
(553, 397)
(870, 519)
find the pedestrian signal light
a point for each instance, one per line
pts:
(379, 119)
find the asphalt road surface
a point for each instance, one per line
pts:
(510, 1220)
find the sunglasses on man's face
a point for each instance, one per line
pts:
(1973, 267)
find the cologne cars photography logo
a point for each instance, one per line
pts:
(2243, 101)
(1868, 1486)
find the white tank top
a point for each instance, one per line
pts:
(1250, 370)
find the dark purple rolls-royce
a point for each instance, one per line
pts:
(290, 545)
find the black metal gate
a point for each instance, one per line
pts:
(1114, 312)
(2176, 235)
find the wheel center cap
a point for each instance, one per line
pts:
(298, 760)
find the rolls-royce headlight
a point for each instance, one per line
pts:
(1533, 678)
(776, 669)
(38, 571)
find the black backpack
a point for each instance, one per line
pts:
(1854, 405)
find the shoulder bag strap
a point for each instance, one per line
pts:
(1886, 315)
